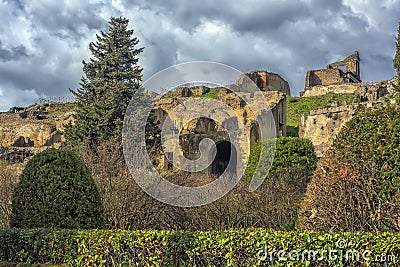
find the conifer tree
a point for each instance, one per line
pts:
(396, 60)
(111, 78)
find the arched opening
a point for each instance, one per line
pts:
(222, 158)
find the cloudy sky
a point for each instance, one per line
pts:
(43, 42)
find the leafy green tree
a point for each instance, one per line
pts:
(56, 189)
(111, 78)
(396, 60)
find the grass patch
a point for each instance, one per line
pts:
(299, 105)
(212, 93)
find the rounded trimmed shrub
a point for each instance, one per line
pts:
(56, 190)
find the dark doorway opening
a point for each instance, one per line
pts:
(254, 134)
(221, 161)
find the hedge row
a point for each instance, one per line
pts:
(246, 247)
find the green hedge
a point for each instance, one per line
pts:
(211, 248)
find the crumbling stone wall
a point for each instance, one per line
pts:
(194, 131)
(32, 126)
(335, 74)
(323, 77)
(365, 91)
(352, 64)
(15, 155)
(266, 81)
(321, 126)
(188, 91)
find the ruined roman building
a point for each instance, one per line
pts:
(25, 132)
(343, 77)
(322, 125)
(341, 72)
(245, 106)
(266, 81)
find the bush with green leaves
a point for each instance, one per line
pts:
(370, 142)
(290, 152)
(357, 186)
(56, 190)
(242, 247)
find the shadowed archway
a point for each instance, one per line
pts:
(221, 161)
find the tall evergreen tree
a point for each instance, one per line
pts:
(111, 78)
(396, 60)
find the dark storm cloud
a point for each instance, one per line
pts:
(65, 19)
(243, 16)
(44, 42)
(12, 53)
(313, 32)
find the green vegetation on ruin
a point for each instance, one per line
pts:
(299, 105)
(212, 93)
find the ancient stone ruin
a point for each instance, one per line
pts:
(15, 155)
(341, 72)
(188, 91)
(26, 131)
(343, 77)
(322, 125)
(197, 129)
(265, 81)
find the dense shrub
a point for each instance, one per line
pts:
(290, 152)
(274, 205)
(245, 247)
(357, 187)
(56, 190)
(371, 143)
